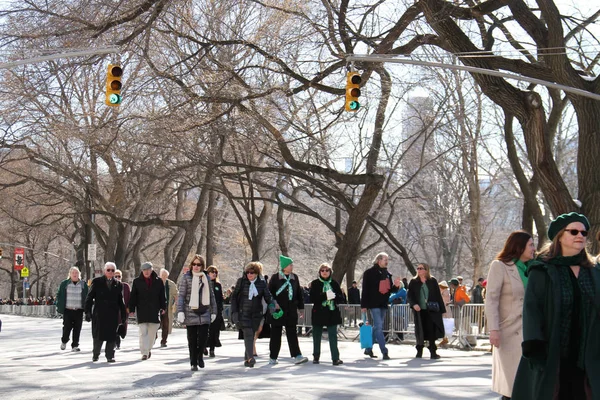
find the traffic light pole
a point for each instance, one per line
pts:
(71, 54)
(384, 58)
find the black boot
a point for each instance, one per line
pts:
(419, 351)
(434, 354)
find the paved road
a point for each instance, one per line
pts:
(32, 366)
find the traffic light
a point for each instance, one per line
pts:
(353, 80)
(113, 85)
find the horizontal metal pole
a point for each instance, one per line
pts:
(79, 53)
(390, 59)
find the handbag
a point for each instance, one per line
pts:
(433, 306)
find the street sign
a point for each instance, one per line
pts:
(24, 272)
(91, 252)
(19, 258)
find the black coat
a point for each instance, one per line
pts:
(147, 301)
(414, 290)
(106, 306)
(353, 295)
(323, 316)
(249, 313)
(290, 307)
(371, 281)
(218, 291)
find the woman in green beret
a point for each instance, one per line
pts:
(561, 321)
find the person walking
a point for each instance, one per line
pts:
(70, 301)
(247, 307)
(425, 299)
(325, 295)
(166, 319)
(104, 306)
(148, 302)
(377, 285)
(561, 321)
(214, 331)
(447, 317)
(196, 309)
(504, 308)
(126, 295)
(285, 286)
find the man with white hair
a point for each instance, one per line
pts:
(70, 300)
(171, 294)
(106, 300)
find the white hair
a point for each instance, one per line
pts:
(74, 269)
(163, 270)
(379, 257)
(110, 264)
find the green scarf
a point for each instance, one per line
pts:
(522, 268)
(287, 284)
(326, 288)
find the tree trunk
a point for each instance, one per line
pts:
(210, 228)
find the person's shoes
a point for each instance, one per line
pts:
(316, 360)
(250, 363)
(337, 362)
(369, 352)
(144, 357)
(300, 359)
(205, 352)
(273, 361)
(149, 354)
(110, 360)
(118, 348)
(444, 342)
(194, 368)
(94, 359)
(254, 355)
(212, 354)
(75, 349)
(63, 346)
(163, 345)
(201, 363)
(386, 356)
(504, 398)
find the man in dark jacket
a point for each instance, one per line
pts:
(148, 301)
(106, 299)
(285, 287)
(377, 285)
(354, 298)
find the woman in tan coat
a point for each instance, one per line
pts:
(505, 292)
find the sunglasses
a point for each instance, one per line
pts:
(324, 270)
(197, 264)
(112, 270)
(117, 276)
(575, 232)
(420, 269)
(250, 272)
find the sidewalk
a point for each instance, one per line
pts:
(32, 366)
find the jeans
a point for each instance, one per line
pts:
(378, 315)
(72, 320)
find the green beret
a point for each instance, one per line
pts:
(563, 220)
(284, 261)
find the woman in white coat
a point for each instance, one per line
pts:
(505, 292)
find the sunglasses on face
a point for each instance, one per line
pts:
(250, 273)
(575, 232)
(110, 270)
(117, 276)
(196, 264)
(323, 270)
(420, 269)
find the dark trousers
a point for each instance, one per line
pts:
(331, 335)
(249, 342)
(196, 336)
(214, 333)
(275, 342)
(72, 320)
(109, 349)
(572, 382)
(164, 327)
(426, 331)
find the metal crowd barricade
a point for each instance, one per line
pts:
(472, 324)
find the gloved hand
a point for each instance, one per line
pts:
(181, 317)
(213, 317)
(278, 314)
(88, 317)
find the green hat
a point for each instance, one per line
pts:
(563, 220)
(284, 261)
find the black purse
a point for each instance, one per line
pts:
(433, 306)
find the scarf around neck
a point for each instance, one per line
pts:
(199, 283)
(522, 268)
(287, 284)
(252, 291)
(327, 287)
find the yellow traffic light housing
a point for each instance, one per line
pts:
(353, 80)
(113, 85)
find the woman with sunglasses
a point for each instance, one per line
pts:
(561, 318)
(196, 309)
(504, 308)
(325, 295)
(426, 301)
(247, 306)
(214, 332)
